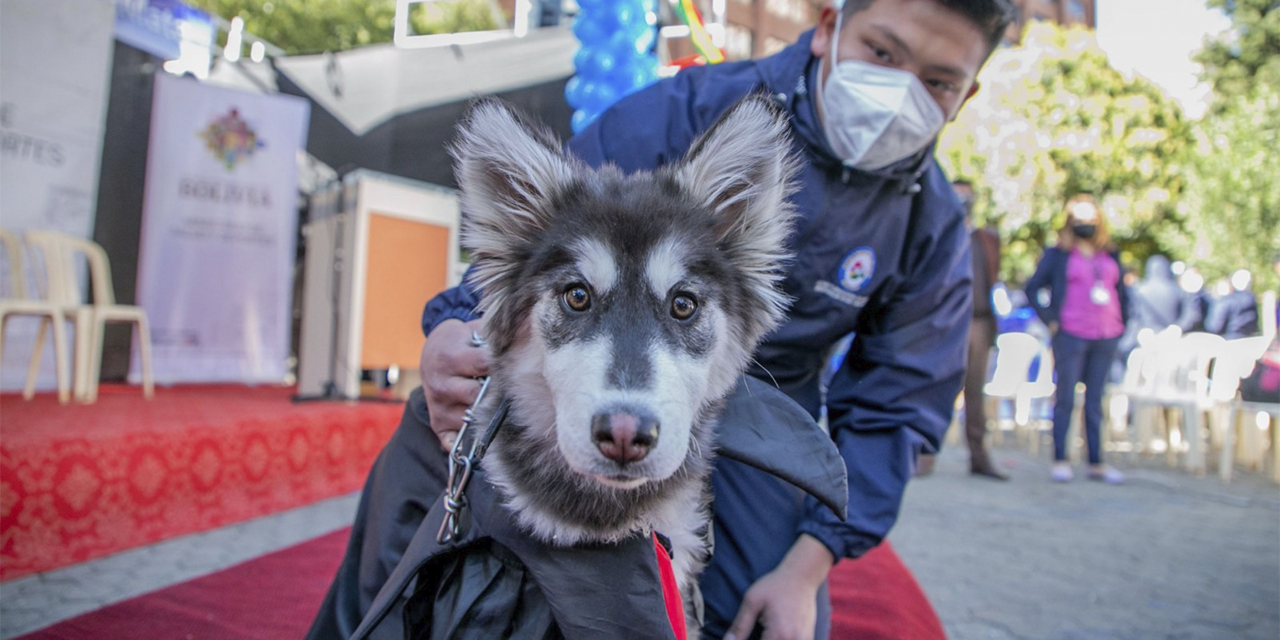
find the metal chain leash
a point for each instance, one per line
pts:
(461, 466)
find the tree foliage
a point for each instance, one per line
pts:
(1054, 119)
(313, 26)
(1251, 57)
(1236, 192)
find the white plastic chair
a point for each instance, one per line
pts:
(61, 253)
(1188, 391)
(1271, 412)
(1239, 437)
(1010, 381)
(16, 302)
(1148, 371)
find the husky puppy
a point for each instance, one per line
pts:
(621, 309)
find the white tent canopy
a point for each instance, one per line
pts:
(366, 87)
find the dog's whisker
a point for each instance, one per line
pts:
(765, 369)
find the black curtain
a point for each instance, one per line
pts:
(118, 225)
(414, 145)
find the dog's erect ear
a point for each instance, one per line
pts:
(508, 173)
(743, 168)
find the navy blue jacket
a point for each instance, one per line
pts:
(1051, 272)
(1234, 315)
(884, 256)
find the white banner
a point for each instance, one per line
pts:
(218, 231)
(55, 63)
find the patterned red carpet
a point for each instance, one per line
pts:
(78, 482)
(276, 596)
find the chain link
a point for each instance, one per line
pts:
(461, 466)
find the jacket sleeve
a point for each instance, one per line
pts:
(892, 397)
(1043, 277)
(456, 303)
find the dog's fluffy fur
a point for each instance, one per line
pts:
(588, 278)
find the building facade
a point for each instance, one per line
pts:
(1066, 12)
(756, 28)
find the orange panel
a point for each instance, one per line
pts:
(408, 264)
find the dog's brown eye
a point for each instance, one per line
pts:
(683, 307)
(577, 298)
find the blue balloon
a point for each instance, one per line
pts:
(589, 31)
(624, 44)
(573, 91)
(599, 96)
(582, 59)
(604, 64)
(581, 119)
(627, 13)
(615, 56)
(640, 73)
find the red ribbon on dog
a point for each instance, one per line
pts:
(670, 590)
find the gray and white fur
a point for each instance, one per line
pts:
(620, 310)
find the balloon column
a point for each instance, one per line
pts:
(616, 56)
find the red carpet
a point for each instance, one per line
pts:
(276, 597)
(79, 482)
(876, 598)
(273, 597)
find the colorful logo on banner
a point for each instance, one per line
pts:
(857, 269)
(230, 139)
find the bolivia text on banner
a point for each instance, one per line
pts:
(218, 231)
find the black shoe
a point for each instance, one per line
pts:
(989, 471)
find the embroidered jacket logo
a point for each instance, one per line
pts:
(857, 269)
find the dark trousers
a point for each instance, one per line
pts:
(1079, 360)
(981, 334)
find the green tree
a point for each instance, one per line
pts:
(1236, 191)
(1251, 57)
(1054, 119)
(313, 26)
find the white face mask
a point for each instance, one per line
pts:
(875, 116)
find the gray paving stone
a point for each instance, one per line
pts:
(1167, 555)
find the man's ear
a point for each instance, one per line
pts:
(820, 45)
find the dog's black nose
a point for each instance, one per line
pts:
(624, 436)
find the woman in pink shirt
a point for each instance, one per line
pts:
(1086, 311)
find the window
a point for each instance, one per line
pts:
(796, 11)
(737, 42)
(1076, 11)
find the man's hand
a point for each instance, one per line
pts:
(784, 600)
(449, 366)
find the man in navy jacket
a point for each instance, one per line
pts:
(882, 253)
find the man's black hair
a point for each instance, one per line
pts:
(993, 17)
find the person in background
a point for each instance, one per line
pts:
(1157, 302)
(1086, 311)
(1235, 314)
(1197, 306)
(985, 247)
